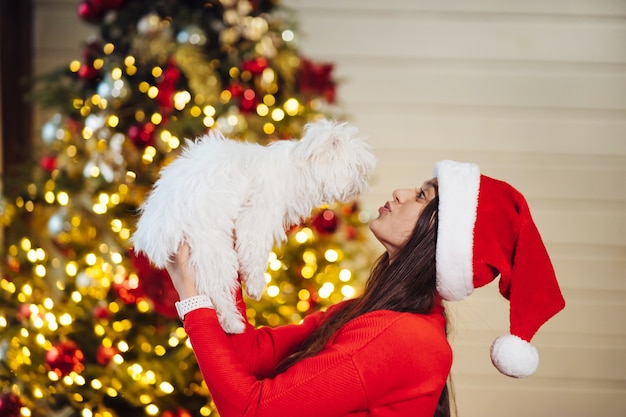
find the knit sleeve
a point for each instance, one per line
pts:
(305, 390)
(261, 349)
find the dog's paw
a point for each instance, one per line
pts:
(232, 325)
(255, 286)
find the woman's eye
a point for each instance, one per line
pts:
(420, 194)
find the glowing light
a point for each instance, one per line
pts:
(278, 115)
(195, 111)
(148, 154)
(331, 255)
(345, 275)
(116, 74)
(166, 387)
(364, 217)
(152, 410)
(152, 92)
(40, 271)
(90, 259)
(347, 291)
(309, 257)
(25, 244)
(262, 110)
(304, 235)
(326, 290)
(275, 264)
(209, 111)
(74, 66)
(232, 120)
(156, 118)
(65, 319)
(307, 271)
(288, 35)
(143, 306)
(208, 121)
(181, 99)
(292, 106)
(269, 128)
(49, 197)
(273, 290)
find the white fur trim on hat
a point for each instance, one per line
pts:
(459, 183)
(513, 356)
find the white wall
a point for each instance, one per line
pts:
(533, 91)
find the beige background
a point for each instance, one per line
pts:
(535, 93)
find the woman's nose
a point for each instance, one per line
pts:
(395, 194)
(398, 195)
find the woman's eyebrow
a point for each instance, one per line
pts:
(431, 184)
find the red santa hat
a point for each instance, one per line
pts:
(486, 231)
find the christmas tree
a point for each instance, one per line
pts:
(88, 328)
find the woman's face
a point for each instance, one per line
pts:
(397, 218)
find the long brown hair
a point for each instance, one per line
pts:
(408, 284)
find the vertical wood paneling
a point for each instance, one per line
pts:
(533, 91)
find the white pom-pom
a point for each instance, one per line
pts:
(513, 356)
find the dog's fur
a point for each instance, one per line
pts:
(231, 201)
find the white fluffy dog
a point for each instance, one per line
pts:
(233, 200)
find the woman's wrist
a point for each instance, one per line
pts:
(189, 304)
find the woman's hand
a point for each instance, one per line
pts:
(182, 273)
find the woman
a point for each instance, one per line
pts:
(382, 354)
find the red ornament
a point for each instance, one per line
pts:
(48, 162)
(23, 312)
(179, 412)
(105, 5)
(10, 405)
(351, 232)
(128, 290)
(167, 87)
(317, 79)
(255, 66)
(156, 285)
(88, 11)
(235, 89)
(249, 101)
(93, 10)
(326, 222)
(65, 357)
(142, 135)
(88, 72)
(101, 311)
(105, 354)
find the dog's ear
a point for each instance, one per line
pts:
(322, 137)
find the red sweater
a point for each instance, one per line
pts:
(381, 364)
